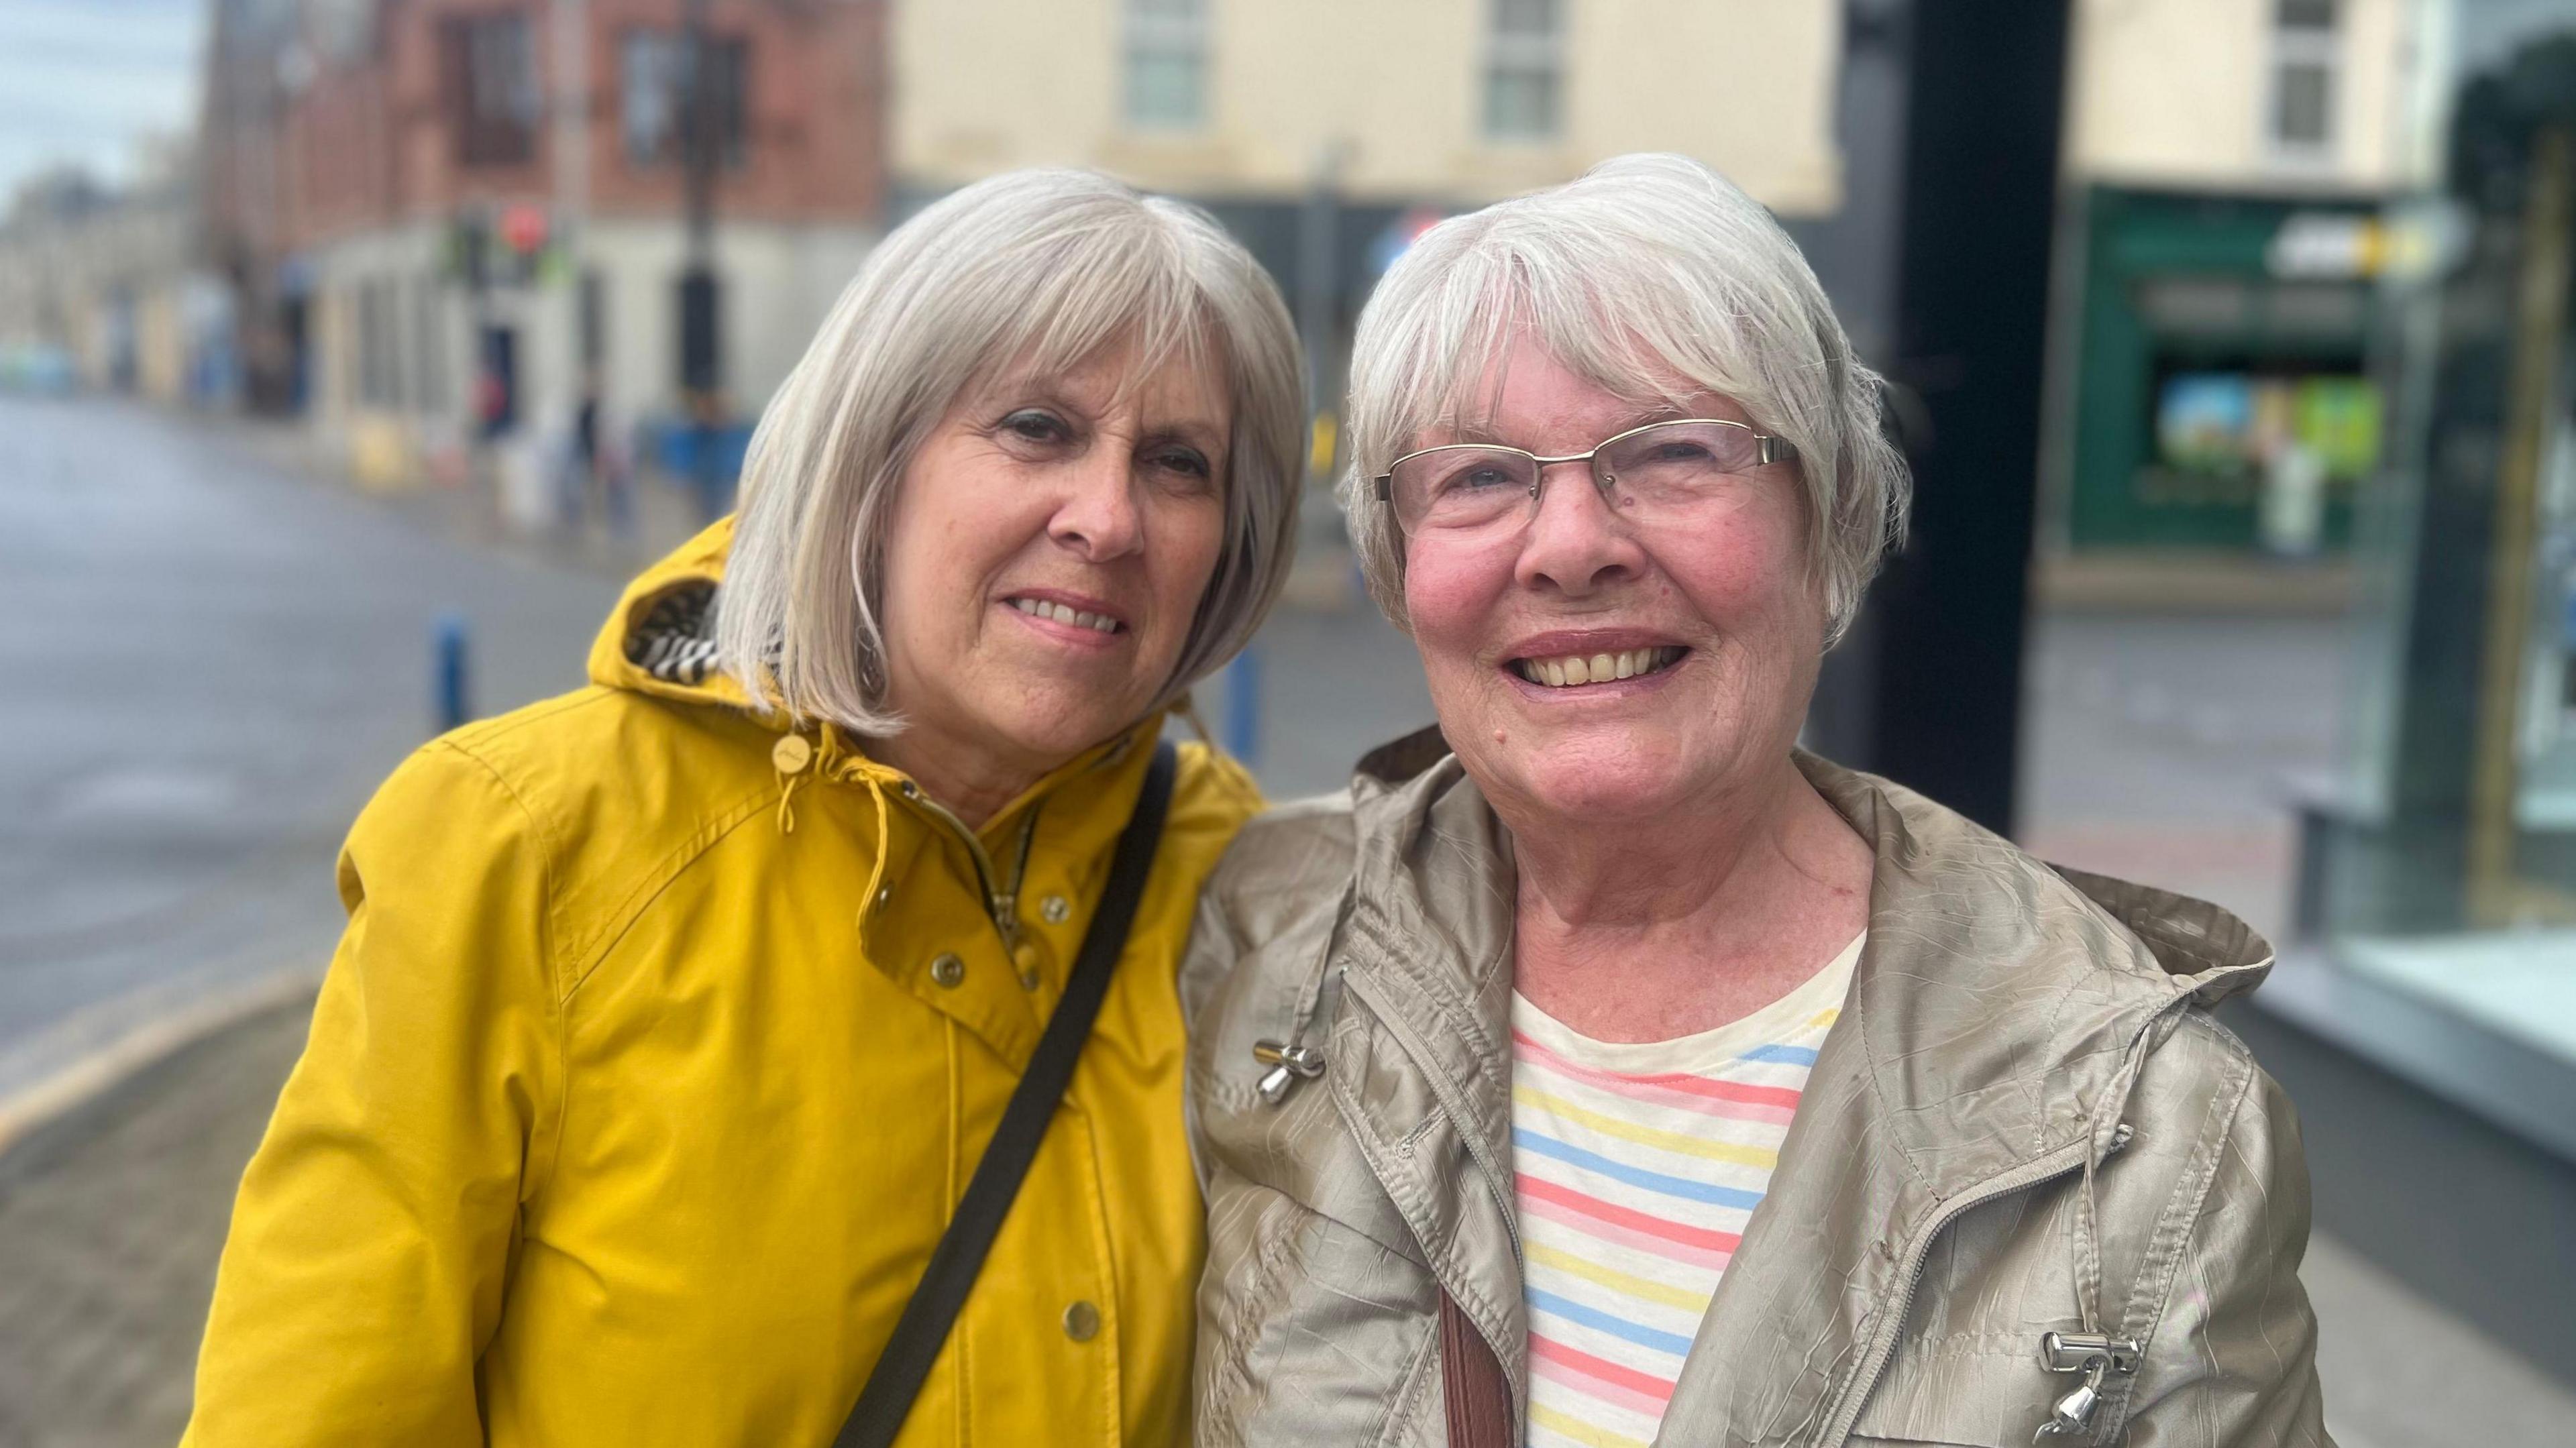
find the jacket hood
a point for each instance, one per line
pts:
(661, 637)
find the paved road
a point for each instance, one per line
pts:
(210, 664)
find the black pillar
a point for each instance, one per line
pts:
(1938, 658)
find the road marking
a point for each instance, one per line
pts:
(152, 1037)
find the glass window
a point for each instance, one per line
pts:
(1524, 71)
(492, 92)
(2305, 51)
(653, 95)
(1167, 64)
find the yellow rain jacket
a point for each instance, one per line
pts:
(658, 1050)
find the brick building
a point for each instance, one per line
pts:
(442, 216)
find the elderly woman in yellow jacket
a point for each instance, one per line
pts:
(675, 1014)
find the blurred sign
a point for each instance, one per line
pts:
(2314, 244)
(2339, 245)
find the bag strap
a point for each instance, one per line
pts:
(918, 1335)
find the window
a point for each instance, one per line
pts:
(493, 98)
(654, 97)
(429, 347)
(1525, 71)
(379, 382)
(1167, 64)
(2303, 77)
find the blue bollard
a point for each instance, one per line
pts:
(1243, 706)
(447, 670)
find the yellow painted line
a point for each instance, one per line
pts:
(146, 1040)
(1683, 1142)
(1644, 1289)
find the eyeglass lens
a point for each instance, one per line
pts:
(1666, 466)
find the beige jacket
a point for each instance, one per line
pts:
(2025, 1122)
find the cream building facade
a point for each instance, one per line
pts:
(1457, 101)
(2253, 95)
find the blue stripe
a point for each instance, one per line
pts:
(1549, 1302)
(1653, 1181)
(1784, 1055)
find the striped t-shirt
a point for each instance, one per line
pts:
(1637, 1167)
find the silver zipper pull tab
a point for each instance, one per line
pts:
(1288, 1065)
(2096, 1357)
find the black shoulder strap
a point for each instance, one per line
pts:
(918, 1334)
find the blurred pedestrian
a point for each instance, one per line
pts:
(675, 1016)
(1604, 1069)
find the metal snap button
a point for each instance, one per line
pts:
(791, 753)
(947, 970)
(884, 894)
(1055, 909)
(1082, 1322)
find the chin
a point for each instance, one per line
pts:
(1615, 777)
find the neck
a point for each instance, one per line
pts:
(1646, 929)
(972, 785)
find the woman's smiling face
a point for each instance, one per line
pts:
(1049, 546)
(1715, 611)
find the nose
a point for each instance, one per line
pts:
(1577, 543)
(1098, 516)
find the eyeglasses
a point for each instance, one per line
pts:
(1645, 472)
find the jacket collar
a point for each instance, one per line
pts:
(1993, 1016)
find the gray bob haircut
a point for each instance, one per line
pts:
(1656, 279)
(1038, 270)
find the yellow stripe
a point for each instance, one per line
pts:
(1825, 1017)
(1543, 1416)
(1682, 1142)
(1615, 1280)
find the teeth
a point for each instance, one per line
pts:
(1040, 608)
(1573, 669)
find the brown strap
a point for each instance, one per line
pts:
(1472, 1386)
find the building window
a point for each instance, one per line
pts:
(654, 96)
(492, 93)
(1167, 64)
(379, 371)
(2304, 52)
(1525, 70)
(429, 347)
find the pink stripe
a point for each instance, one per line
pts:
(1774, 1104)
(1599, 1378)
(1625, 1225)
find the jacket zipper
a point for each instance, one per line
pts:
(2065, 1161)
(1001, 905)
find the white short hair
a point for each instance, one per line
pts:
(1654, 278)
(1037, 269)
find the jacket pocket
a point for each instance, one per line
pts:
(1979, 1399)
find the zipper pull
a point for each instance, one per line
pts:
(1289, 1064)
(2096, 1357)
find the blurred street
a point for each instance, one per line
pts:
(214, 661)
(219, 657)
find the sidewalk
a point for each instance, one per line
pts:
(111, 1219)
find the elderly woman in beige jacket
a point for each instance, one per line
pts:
(1602, 1069)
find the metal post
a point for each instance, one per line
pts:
(1243, 706)
(449, 670)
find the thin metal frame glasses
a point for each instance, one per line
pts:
(1658, 465)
